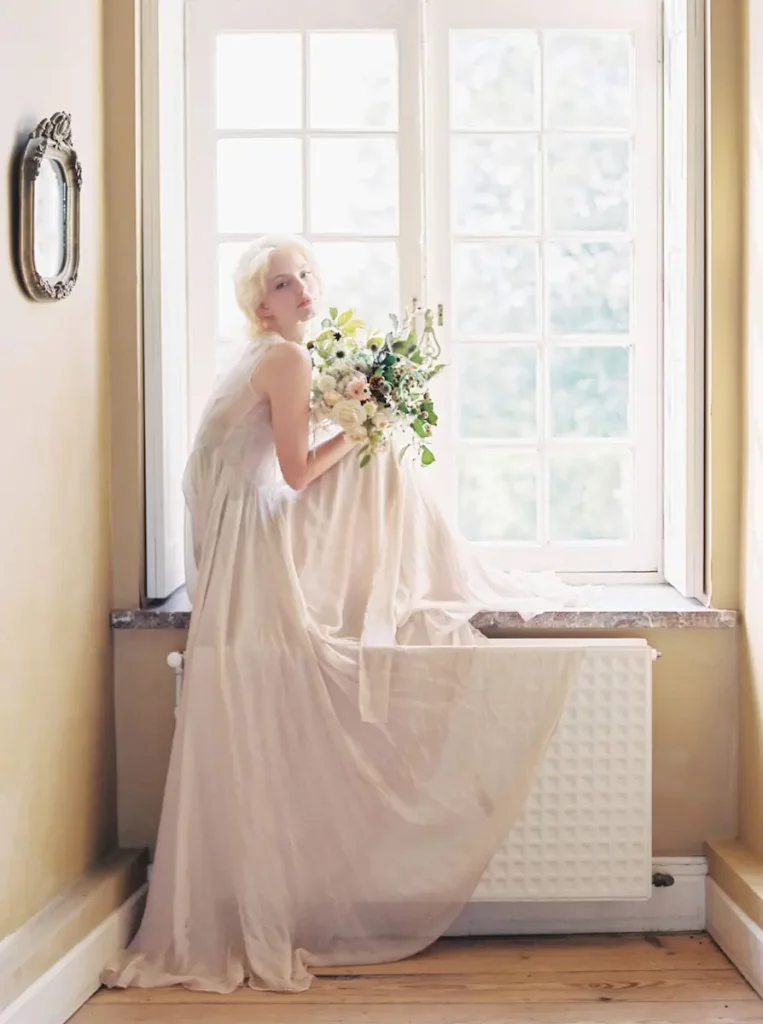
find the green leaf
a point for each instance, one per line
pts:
(428, 407)
(402, 453)
(419, 427)
(344, 318)
(333, 312)
(365, 460)
(427, 457)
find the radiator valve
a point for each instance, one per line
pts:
(661, 880)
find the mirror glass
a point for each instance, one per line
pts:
(50, 219)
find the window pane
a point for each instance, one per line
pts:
(590, 392)
(587, 79)
(494, 184)
(363, 275)
(495, 288)
(354, 186)
(588, 184)
(589, 496)
(497, 494)
(589, 287)
(353, 80)
(494, 79)
(259, 80)
(259, 185)
(497, 390)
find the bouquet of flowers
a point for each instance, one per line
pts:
(374, 386)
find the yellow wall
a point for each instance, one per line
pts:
(737, 866)
(751, 735)
(57, 770)
(725, 212)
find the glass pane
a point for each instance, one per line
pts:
(495, 288)
(259, 80)
(49, 219)
(494, 79)
(497, 494)
(354, 186)
(588, 184)
(230, 319)
(590, 392)
(259, 185)
(363, 275)
(494, 184)
(353, 80)
(589, 287)
(588, 81)
(497, 390)
(589, 497)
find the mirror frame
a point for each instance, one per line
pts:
(51, 139)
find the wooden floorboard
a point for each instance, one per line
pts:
(576, 980)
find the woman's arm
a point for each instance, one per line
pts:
(284, 376)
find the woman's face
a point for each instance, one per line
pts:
(290, 293)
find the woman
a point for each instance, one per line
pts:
(349, 751)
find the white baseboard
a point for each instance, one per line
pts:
(677, 908)
(740, 938)
(70, 982)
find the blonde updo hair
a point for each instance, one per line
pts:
(250, 279)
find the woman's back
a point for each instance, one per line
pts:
(235, 425)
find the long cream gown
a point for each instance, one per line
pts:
(349, 752)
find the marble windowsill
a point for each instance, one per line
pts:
(644, 606)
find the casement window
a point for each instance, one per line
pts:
(533, 169)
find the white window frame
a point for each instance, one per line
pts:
(683, 46)
(164, 291)
(172, 348)
(204, 21)
(641, 17)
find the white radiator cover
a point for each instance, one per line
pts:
(585, 833)
(586, 829)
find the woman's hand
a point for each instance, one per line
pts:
(284, 376)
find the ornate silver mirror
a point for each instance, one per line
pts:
(50, 180)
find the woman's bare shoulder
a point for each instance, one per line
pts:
(280, 364)
(289, 353)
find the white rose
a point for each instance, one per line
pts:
(357, 435)
(381, 421)
(348, 413)
(326, 382)
(332, 397)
